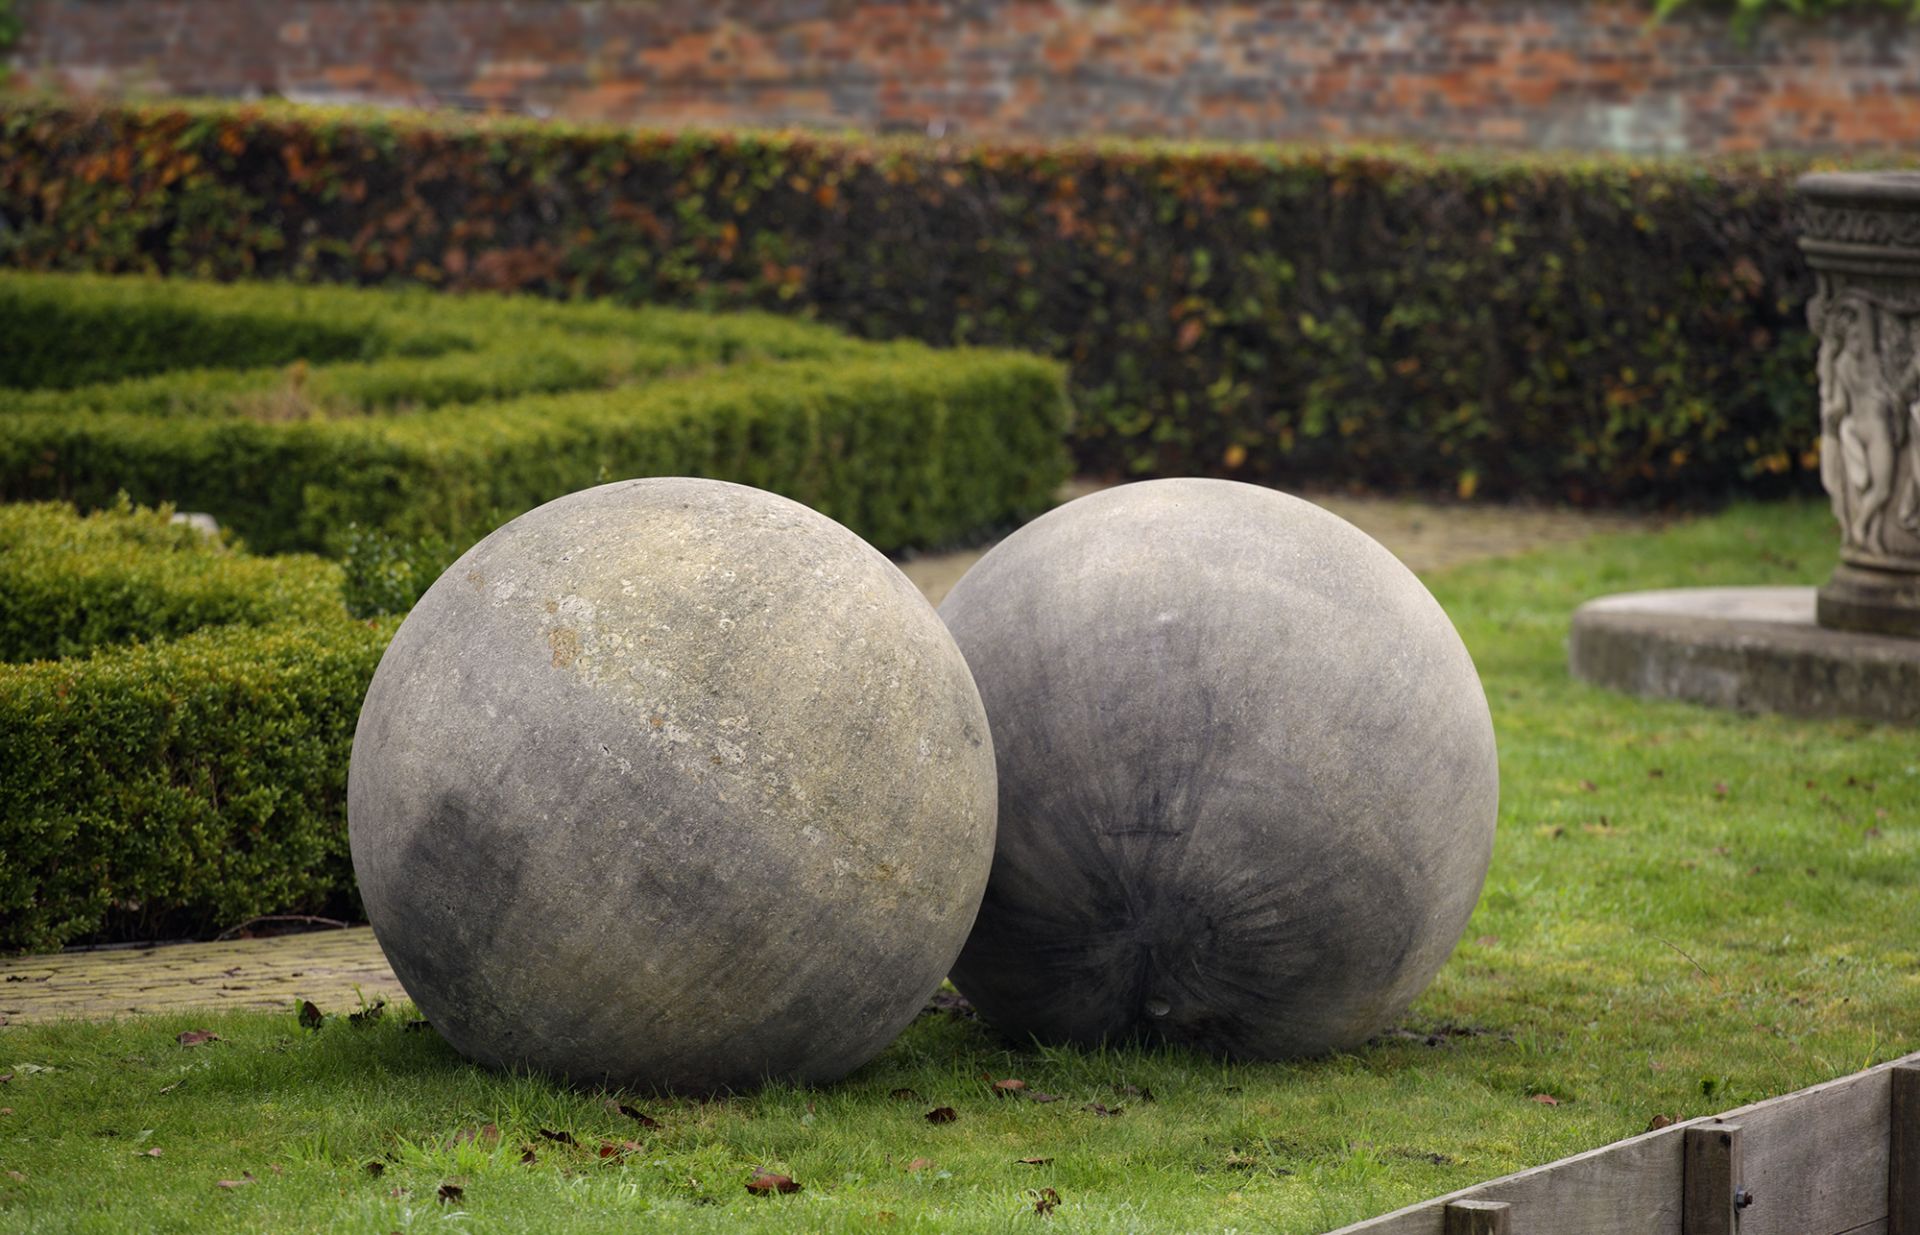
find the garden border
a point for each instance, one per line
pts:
(1841, 1158)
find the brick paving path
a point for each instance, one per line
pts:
(337, 969)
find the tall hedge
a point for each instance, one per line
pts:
(1592, 329)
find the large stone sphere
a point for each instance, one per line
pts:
(1247, 774)
(676, 784)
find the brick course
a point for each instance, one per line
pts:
(1510, 73)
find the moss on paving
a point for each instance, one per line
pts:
(1688, 910)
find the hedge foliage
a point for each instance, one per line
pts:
(456, 413)
(1593, 329)
(70, 585)
(190, 778)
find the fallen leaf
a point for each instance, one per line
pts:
(904, 1095)
(1044, 1201)
(1720, 788)
(1134, 1091)
(1101, 1109)
(16, 1176)
(1658, 1122)
(766, 1183)
(919, 1164)
(885, 1215)
(954, 1005)
(376, 1169)
(1546, 1099)
(369, 1014)
(416, 1026)
(1034, 1161)
(6, 1110)
(1037, 1096)
(942, 1115)
(147, 1153)
(398, 1192)
(275, 1168)
(527, 1156)
(564, 1138)
(172, 1087)
(1656, 773)
(608, 1151)
(1009, 1087)
(310, 1016)
(451, 1192)
(5, 1077)
(243, 1181)
(1487, 941)
(197, 1037)
(486, 1134)
(1589, 786)
(620, 1108)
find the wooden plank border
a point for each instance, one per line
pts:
(1826, 1160)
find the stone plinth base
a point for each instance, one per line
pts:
(1875, 602)
(1753, 649)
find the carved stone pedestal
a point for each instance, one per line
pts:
(1861, 235)
(1852, 649)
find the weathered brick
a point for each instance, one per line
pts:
(1540, 73)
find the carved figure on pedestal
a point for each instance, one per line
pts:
(1863, 422)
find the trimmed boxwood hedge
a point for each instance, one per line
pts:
(162, 778)
(1595, 329)
(70, 585)
(458, 413)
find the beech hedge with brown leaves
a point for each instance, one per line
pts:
(1588, 329)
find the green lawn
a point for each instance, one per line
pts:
(1687, 911)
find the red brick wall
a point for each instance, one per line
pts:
(1543, 73)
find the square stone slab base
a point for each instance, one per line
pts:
(1751, 649)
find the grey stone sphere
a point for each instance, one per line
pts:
(1247, 774)
(673, 784)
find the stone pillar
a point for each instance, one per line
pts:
(1860, 232)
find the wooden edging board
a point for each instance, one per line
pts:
(1817, 1162)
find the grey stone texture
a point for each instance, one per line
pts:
(1860, 232)
(1248, 781)
(1753, 649)
(676, 784)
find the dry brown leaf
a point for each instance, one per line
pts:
(451, 1192)
(1546, 1099)
(1044, 1201)
(564, 1138)
(766, 1183)
(1034, 1161)
(640, 1117)
(942, 1115)
(197, 1037)
(1008, 1087)
(376, 1169)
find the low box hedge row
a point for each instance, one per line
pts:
(1593, 329)
(169, 780)
(465, 411)
(70, 585)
